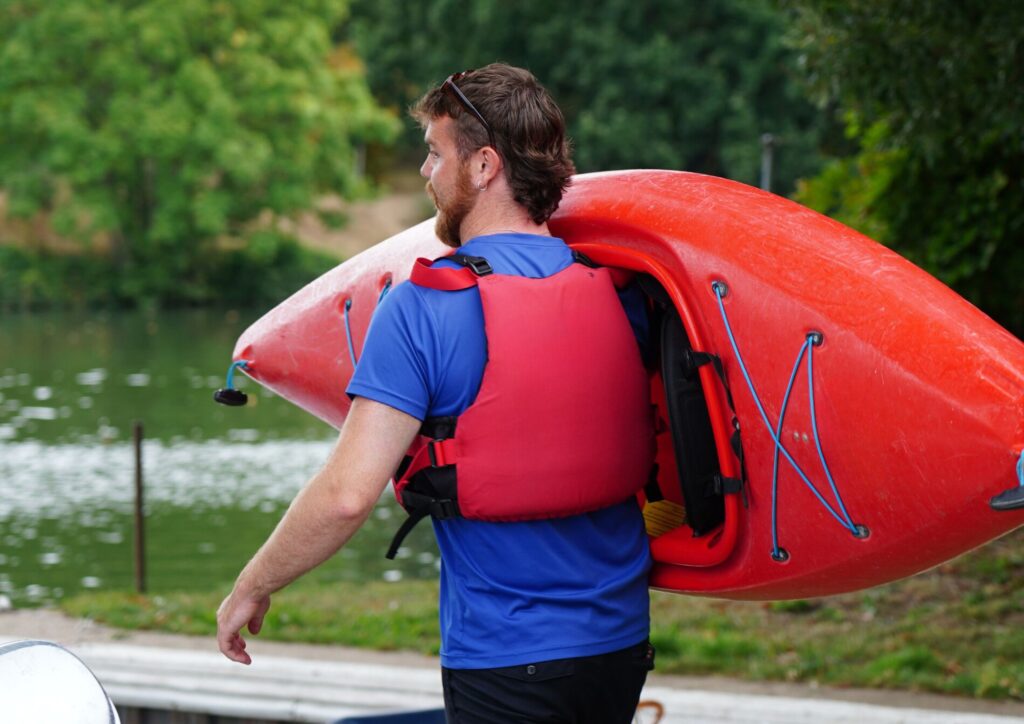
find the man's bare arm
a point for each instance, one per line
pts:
(324, 515)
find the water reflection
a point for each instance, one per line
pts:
(217, 479)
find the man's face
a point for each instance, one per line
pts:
(448, 183)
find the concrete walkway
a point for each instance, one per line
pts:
(320, 683)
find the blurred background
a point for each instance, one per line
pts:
(170, 170)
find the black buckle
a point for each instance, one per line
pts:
(480, 266)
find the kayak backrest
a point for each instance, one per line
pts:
(693, 440)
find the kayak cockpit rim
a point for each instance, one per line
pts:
(680, 546)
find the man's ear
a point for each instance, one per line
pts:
(488, 165)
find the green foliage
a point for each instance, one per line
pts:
(269, 268)
(265, 270)
(30, 279)
(169, 125)
(649, 83)
(933, 92)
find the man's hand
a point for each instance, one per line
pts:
(324, 515)
(235, 612)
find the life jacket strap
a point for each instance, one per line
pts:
(425, 274)
(419, 504)
(441, 452)
(438, 428)
(407, 525)
(431, 486)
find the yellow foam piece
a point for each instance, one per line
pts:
(661, 516)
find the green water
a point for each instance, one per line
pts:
(216, 478)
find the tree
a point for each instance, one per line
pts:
(933, 97)
(169, 124)
(643, 83)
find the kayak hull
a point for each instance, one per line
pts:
(918, 397)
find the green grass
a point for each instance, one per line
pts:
(958, 629)
(385, 616)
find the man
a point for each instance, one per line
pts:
(542, 619)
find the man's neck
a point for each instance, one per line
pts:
(495, 217)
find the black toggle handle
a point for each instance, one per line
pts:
(1011, 499)
(230, 397)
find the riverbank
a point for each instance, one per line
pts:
(954, 630)
(40, 270)
(102, 645)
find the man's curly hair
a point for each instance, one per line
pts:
(528, 129)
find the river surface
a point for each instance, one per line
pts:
(217, 479)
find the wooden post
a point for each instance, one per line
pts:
(767, 146)
(140, 532)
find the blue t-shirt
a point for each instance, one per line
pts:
(511, 593)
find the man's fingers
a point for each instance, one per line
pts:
(234, 648)
(256, 620)
(232, 616)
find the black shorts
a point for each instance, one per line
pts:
(601, 689)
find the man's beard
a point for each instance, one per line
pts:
(451, 213)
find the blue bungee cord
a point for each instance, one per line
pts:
(348, 332)
(777, 552)
(348, 326)
(228, 395)
(244, 364)
(850, 526)
(812, 339)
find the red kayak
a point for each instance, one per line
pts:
(831, 417)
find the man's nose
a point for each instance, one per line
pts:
(425, 169)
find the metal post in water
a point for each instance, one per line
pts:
(767, 147)
(140, 533)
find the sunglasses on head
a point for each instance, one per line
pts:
(449, 86)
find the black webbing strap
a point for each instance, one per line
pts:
(419, 506)
(580, 258)
(694, 361)
(652, 491)
(402, 467)
(720, 484)
(439, 428)
(431, 490)
(407, 525)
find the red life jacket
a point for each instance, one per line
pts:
(562, 423)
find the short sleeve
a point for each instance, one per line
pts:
(395, 367)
